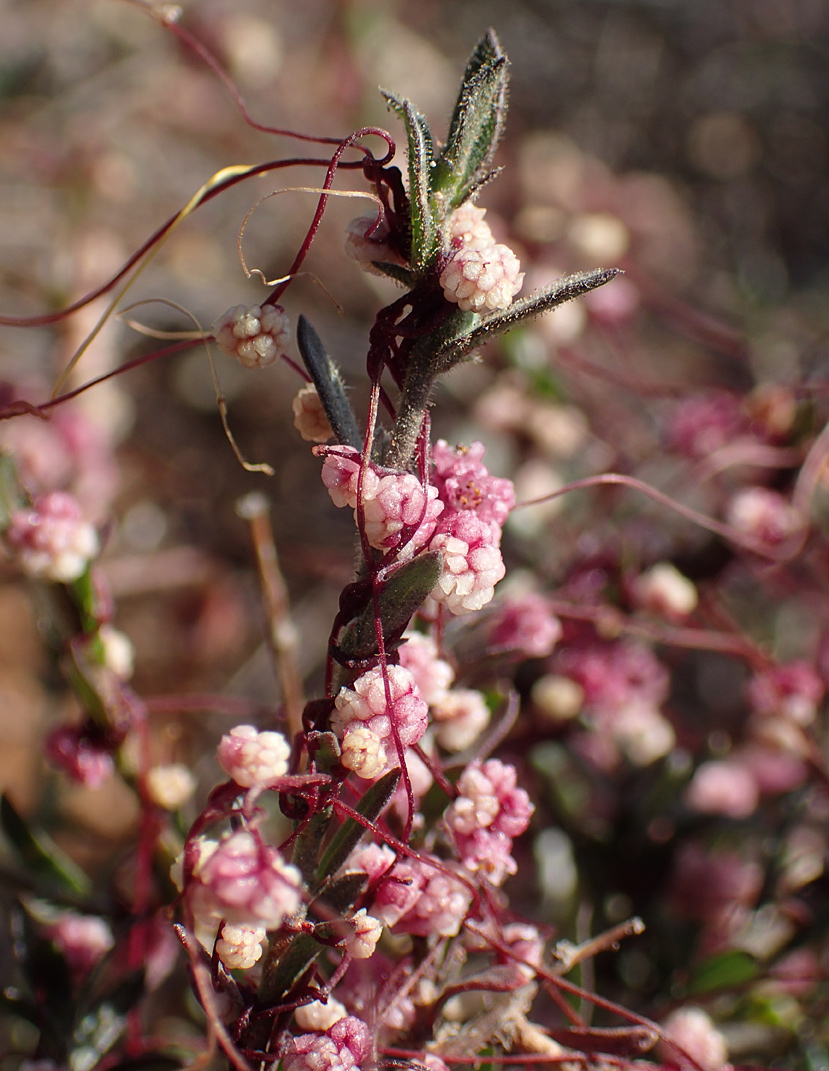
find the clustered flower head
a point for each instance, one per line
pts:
(255, 335)
(251, 757)
(345, 1046)
(242, 881)
(489, 811)
(417, 896)
(379, 714)
(481, 275)
(460, 514)
(52, 539)
(240, 947)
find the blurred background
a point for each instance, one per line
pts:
(685, 142)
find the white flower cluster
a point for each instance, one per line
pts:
(255, 335)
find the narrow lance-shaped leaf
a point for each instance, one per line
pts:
(43, 858)
(401, 595)
(477, 124)
(282, 973)
(421, 164)
(329, 384)
(345, 839)
(452, 352)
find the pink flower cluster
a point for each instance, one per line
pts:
(373, 724)
(624, 685)
(469, 532)
(465, 485)
(481, 275)
(416, 896)
(525, 624)
(460, 515)
(489, 811)
(253, 758)
(345, 1046)
(242, 881)
(398, 511)
(52, 539)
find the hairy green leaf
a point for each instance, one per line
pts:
(421, 165)
(477, 124)
(401, 595)
(43, 858)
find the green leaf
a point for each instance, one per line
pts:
(43, 859)
(329, 384)
(280, 976)
(572, 286)
(401, 596)
(477, 124)
(345, 839)
(12, 496)
(723, 971)
(307, 845)
(341, 894)
(421, 165)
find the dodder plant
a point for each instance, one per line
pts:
(341, 897)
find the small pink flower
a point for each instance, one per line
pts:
(664, 590)
(318, 1015)
(363, 751)
(472, 564)
(466, 228)
(488, 796)
(401, 512)
(341, 475)
(615, 674)
(488, 812)
(253, 758)
(464, 483)
(170, 786)
(84, 940)
(373, 860)
(52, 539)
(256, 335)
(482, 280)
(421, 900)
(85, 758)
(793, 690)
(432, 674)
(405, 719)
(345, 1046)
(526, 625)
(694, 1032)
(245, 883)
(459, 718)
(240, 947)
(725, 787)
(366, 933)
